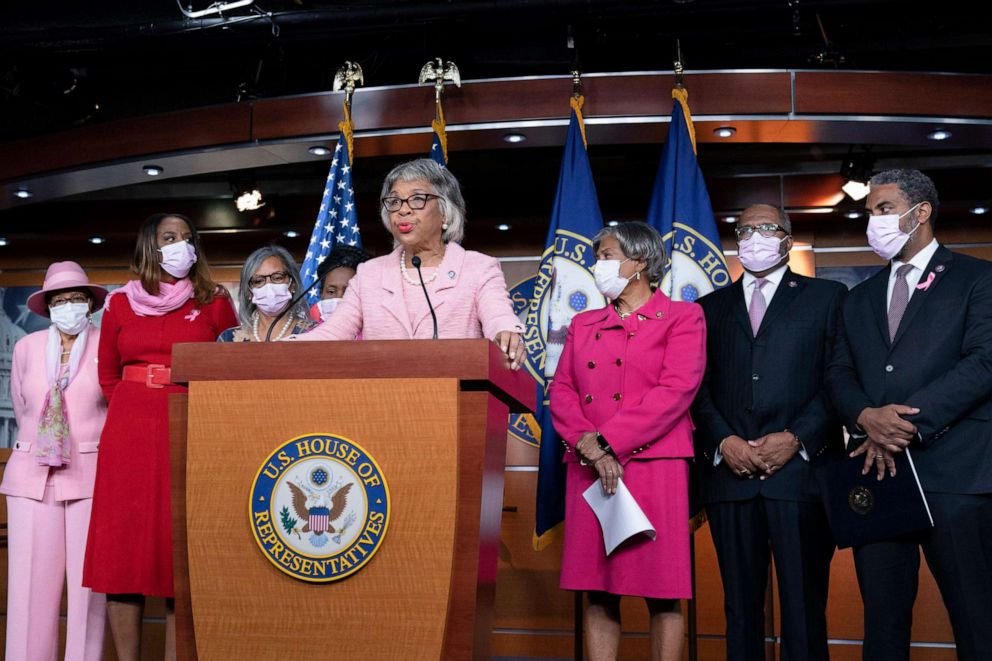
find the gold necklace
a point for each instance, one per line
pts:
(622, 315)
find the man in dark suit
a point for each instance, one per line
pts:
(763, 420)
(913, 369)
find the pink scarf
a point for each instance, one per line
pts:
(53, 426)
(171, 296)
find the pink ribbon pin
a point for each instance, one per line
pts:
(196, 312)
(929, 281)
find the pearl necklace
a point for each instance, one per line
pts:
(409, 279)
(282, 333)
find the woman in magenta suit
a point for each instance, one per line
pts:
(48, 481)
(129, 551)
(423, 208)
(620, 400)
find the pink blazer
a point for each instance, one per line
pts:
(469, 298)
(87, 410)
(631, 380)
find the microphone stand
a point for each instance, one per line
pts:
(321, 272)
(416, 265)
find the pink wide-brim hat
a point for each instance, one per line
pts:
(65, 275)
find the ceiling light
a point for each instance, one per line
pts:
(319, 150)
(978, 211)
(811, 210)
(153, 170)
(292, 234)
(730, 219)
(856, 190)
(503, 227)
(613, 223)
(939, 134)
(854, 215)
(725, 131)
(250, 200)
(3, 241)
(514, 138)
(23, 193)
(97, 240)
(219, 8)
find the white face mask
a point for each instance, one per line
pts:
(327, 306)
(70, 318)
(178, 258)
(271, 299)
(885, 236)
(608, 279)
(760, 253)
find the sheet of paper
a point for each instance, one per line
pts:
(619, 515)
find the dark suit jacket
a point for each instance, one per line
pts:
(775, 381)
(939, 362)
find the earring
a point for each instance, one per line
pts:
(637, 276)
(444, 226)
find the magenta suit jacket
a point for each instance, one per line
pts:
(631, 380)
(469, 298)
(87, 410)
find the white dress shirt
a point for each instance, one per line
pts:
(919, 262)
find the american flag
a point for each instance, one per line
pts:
(337, 222)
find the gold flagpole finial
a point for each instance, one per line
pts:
(346, 78)
(439, 71)
(679, 66)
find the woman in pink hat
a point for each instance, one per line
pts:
(48, 481)
(174, 299)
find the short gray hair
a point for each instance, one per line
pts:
(246, 309)
(915, 186)
(639, 241)
(783, 217)
(445, 186)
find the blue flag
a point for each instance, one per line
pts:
(680, 210)
(439, 143)
(337, 221)
(564, 287)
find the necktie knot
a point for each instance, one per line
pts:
(760, 282)
(903, 271)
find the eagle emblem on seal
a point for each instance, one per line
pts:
(319, 509)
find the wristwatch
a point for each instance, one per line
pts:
(603, 445)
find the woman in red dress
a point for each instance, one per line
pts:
(129, 551)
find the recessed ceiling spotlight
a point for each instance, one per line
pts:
(730, 219)
(978, 211)
(23, 193)
(613, 223)
(97, 240)
(939, 134)
(3, 241)
(725, 131)
(514, 138)
(503, 227)
(292, 234)
(153, 170)
(319, 150)
(854, 215)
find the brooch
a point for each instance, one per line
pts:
(923, 286)
(192, 315)
(451, 275)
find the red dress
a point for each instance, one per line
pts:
(129, 550)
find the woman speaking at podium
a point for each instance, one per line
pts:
(620, 400)
(429, 286)
(129, 551)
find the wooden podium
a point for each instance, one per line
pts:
(433, 417)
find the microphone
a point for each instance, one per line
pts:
(416, 265)
(322, 270)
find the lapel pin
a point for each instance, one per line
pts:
(925, 285)
(939, 268)
(792, 283)
(451, 275)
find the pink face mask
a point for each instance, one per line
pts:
(178, 258)
(759, 253)
(885, 236)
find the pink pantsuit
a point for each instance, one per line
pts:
(49, 511)
(632, 380)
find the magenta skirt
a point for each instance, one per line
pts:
(659, 569)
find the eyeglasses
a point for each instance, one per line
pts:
(415, 202)
(277, 278)
(59, 301)
(744, 232)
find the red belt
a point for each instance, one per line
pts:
(153, 376)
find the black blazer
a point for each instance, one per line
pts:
(939, 362)
(758, 385)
